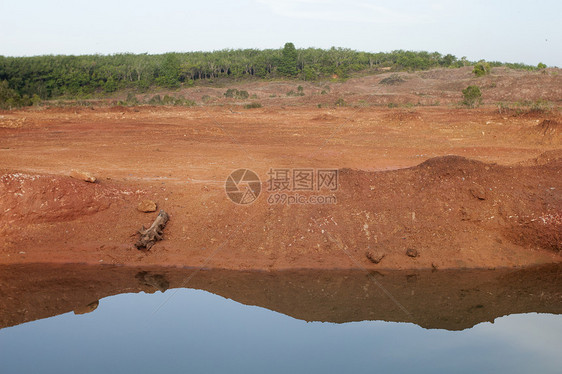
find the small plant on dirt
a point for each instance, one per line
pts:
(155, 100)
(392, 80)
(340, 102)
(168, 100)
(472, 96)
(481, 69)
(205, 98)
(182, 101)
(132, 99)
(185, 102)
(503, 107)
(298, 93)
(392, 105)
(324, 92)
(234, 93)
(35, 100)
(252, 106)
(540, 106)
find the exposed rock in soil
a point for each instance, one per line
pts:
(83, 175)
(478, 192)
(374, 256)
(147, 206)
(411, 252)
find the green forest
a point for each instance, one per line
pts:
(28, 80)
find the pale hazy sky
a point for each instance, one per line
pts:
(511, 31)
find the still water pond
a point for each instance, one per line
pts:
(186, 330)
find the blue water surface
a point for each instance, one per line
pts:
(193, 331)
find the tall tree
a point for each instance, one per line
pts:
(288, 63)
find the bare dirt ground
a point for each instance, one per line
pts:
(496, 203)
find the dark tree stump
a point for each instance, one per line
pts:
(154, 233)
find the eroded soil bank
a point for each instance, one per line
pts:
(447, 212)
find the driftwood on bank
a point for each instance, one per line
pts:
(154, 233)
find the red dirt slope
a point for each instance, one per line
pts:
(454, 212)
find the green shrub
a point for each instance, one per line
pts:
(155, 100)
(110, 85)
(9, 98)
(309, 74)
(230, 93)
(252, 106)
(481, 68)
(392, 80)
(142, 85)
(541, 66)
(35, 100)
(340, 102)
(132, 99)
(181, 101)
(540, 106)
(168, 100)
(472, 96)
(293, 93)
(234, 93)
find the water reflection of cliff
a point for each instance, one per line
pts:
(452, 300)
